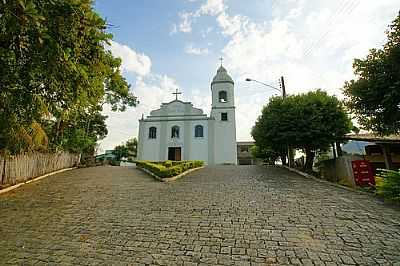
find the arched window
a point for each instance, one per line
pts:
(222, 97)
(175, 132)
(198, 131)
(152, 133)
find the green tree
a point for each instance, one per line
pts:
(126, 150)
(374, 97)
(131, 145)
(269, 155)
(54, 66)
(120, 151)
(311, 122)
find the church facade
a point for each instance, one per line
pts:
(178, 131)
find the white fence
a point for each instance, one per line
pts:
(22, 167)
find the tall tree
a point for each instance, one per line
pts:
(374, 97)
(54, 66)
(310, 122)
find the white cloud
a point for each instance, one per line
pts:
(212, 7)
(190, 49)
(186, 22)
(132, 61)
(231, 24)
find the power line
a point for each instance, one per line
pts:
(342, 4)
(345, 9)
(331, 20)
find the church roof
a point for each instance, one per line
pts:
(176, 110)
(222, 76)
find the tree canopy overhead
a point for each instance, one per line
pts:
(310, 122)
(55, 69)
(374, 97)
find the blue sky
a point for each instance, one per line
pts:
(169, 44)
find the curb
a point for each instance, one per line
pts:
(169, 179)
(34, 179)
(324, 181)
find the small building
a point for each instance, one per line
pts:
(108, 155)
(244, 152)
(380, 151)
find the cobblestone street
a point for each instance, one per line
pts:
(227, 215)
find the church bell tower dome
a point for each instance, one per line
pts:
(222, 76)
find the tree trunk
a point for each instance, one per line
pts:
(387, 156)
(334, 150)
(283, 158)
(290, 156)
(309, 160)
(3, 174)
(339, 149)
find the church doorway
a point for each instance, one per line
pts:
(174, 153)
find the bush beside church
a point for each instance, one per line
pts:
(168, 168)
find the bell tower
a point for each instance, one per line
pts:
(223, 116)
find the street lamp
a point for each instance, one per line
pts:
(283, 91)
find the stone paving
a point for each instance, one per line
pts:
(226, 215)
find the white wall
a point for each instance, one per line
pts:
(199, 146)
(150, 150)
(174, 142)
(225, 150)
(192, 148)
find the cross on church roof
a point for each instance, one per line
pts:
(176, 94)
(221, 59)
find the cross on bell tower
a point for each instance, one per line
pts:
(221, 59)
(176, 94)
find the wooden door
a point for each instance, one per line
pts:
(174, 153)
(178, 154)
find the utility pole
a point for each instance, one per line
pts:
(289, 150)
(283, 87)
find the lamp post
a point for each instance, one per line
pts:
(283, 91)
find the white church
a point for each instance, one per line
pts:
(178, 131)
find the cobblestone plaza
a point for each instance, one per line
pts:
(225, 215)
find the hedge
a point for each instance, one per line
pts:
(388, 184)
(168, 168)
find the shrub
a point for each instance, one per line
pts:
(388, 184)
(168, 163)
(168, 168)
(115, 163)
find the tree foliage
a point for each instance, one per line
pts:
(388, 184)
(267, 154)
(126, 150)
(54, 68)
(310, 122)
(375, 96)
